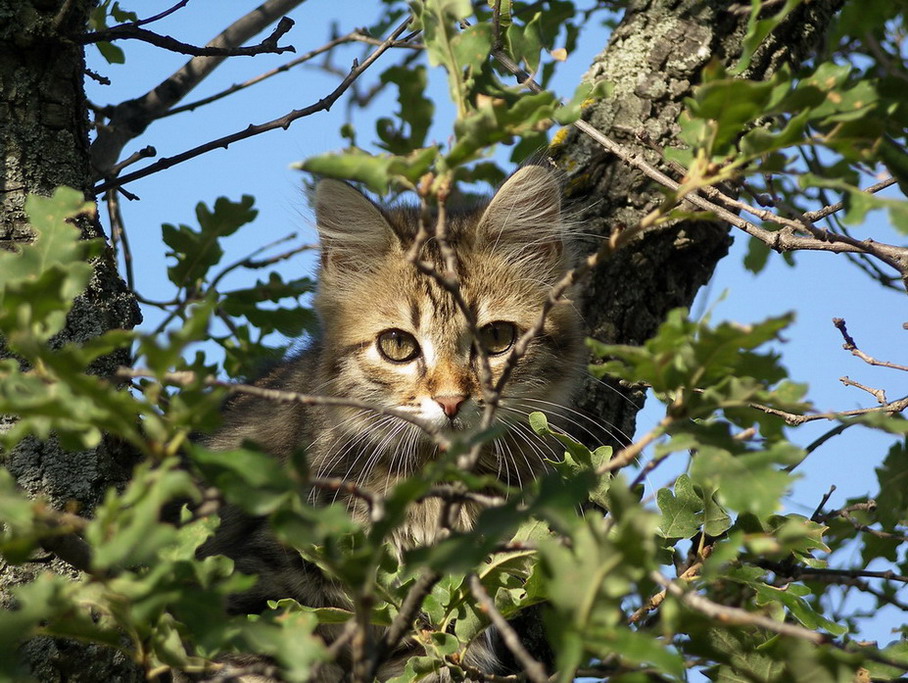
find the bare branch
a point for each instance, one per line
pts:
(819, 214)
(843, 577)
(375, 504)
(656, 600)
(845, 513)
(145, 153)
(878, 394)
(850, 345)
(128, 119)
(283, 122)
(626, 455)
(119, 241)
(795, 419)
(133, 32)
(798, 572)
(330, 45)
(250, 261)
(166, 13)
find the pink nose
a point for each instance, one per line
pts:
(450, 404)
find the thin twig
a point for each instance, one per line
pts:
(188, 378)
(878, 394)
(795, 419)
(726, 614)
(157, 17)
(403, 622)
(830, 209)
(282, 122)
(799, 572)
(118, 236)
(850, 345)
(531, 666)
(375, 503)
(825, 499)
(133, 32)
(265, 76)
(626, 455)
(337, 646)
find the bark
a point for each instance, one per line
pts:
(44, 144)
(653, 60)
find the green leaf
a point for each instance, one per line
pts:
(716, 520)
(125, 531)
(749, 482)
(681, 511)
(376, 172)
(792, 597)
(758, 29)
(196, 251)
(416, 110)
(525, 42)
(38, 285)
(892, 500)
(253, 480)
(757, 255)
(460, 52)
(112, 53)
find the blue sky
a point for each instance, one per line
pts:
(819, 288)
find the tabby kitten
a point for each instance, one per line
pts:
(394, 338)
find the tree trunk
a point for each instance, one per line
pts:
(44, 144)
(653, 60)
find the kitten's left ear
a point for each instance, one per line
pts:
(352, 229)
(525, 211)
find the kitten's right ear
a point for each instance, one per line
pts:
(352, 229)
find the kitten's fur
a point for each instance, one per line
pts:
(510, 253)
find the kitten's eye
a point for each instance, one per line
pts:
(398, 346)
(497, 337)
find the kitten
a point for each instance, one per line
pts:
(394, 338)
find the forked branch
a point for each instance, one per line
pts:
(134, 32)
(283, 122)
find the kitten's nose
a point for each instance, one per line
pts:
(450, 404)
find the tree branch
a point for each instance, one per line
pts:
(735, 615)
(795, 419)
(283, 122)
(850, 345)
(330, 45)
(129, 119)
(403, 622)
(157, 17)
(781, 240)
(132, 31)
(187, 378)
(533, 668)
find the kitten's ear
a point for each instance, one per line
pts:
(352, 229)
(525, 210)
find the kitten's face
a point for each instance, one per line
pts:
(394, 337)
